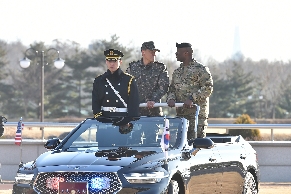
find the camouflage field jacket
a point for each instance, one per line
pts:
(152, 80)
(191, 81)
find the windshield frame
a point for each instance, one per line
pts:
(84, 125)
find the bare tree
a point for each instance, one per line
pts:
(270, 77)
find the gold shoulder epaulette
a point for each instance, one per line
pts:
(129, 83)
(129, 75)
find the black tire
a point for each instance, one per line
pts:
(173, 187)
(250, 184)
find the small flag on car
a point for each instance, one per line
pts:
(18, 135)
(165, 141)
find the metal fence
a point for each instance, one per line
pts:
(271, 127)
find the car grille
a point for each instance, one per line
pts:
(98, 183)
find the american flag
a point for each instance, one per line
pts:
(18, 138)
(165, 141)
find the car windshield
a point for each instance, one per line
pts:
(145, 132)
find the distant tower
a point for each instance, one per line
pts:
(236, 53)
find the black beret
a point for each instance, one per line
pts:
(112, 54)
(149, 45)
(183, 45)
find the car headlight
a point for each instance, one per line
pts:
(23, 178)
(148, 177)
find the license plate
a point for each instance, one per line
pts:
(73, 188)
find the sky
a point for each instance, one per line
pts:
(263, 27)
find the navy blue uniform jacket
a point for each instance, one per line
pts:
(103, 95)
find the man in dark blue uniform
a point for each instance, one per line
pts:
(115, 93)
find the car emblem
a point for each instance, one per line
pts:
(77, 167)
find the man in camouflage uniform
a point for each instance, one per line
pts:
(191, 84)
(151, 77)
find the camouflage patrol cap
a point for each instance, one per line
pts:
(183, 45)
(149, 45)
(113, 55)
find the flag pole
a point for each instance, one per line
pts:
(163, 140)
(166, 149)
(18, 137)
(21, 141)
(196, 120)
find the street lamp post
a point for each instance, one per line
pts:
(58, 63)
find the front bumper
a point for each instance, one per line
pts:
(22, 188)
(128, 188)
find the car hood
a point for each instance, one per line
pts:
(114, 158)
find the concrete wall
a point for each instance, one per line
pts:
(10, 155)
(274, 158)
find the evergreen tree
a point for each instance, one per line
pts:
(240, 84)
(79, 83)
(6, 90)
(219, 100)
(231, 90)
(3, 60)
(284, 106)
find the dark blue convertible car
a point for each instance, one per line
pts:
(100, 158)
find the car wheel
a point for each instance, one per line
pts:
(250, 185)
(173, 187)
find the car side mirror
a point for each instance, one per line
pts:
(52, 143)
(201, 143)
(197, 143)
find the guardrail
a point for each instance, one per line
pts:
(212, 126)
(251, 126)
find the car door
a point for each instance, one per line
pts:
(231, 163)
(204, 172)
